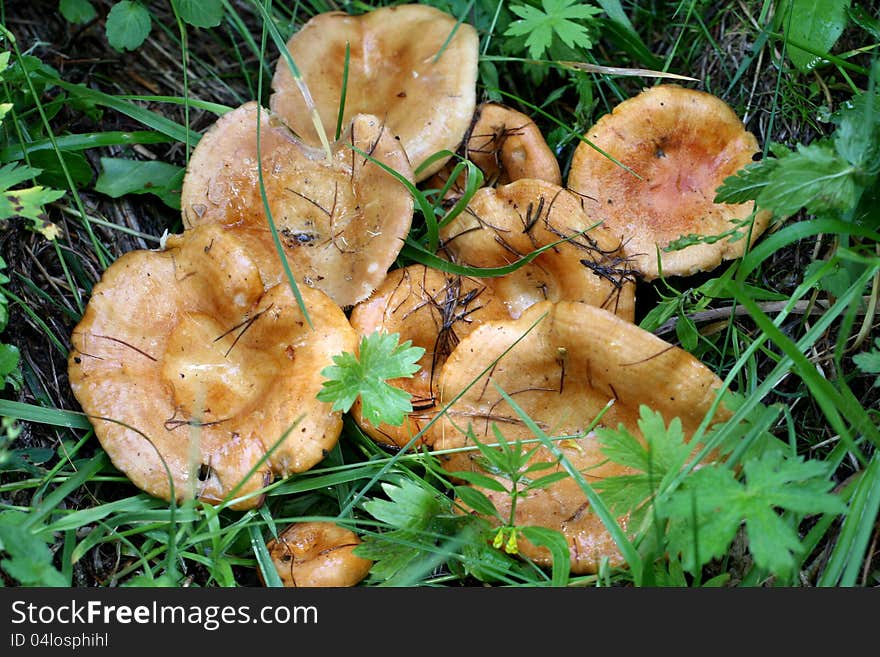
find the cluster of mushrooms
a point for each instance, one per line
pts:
(201, 372)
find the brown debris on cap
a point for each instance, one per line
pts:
(341, 223)
(184, 360)
(504, 224)
(413, 65)
(434, 310)
(679, 144)
(507, 146)
(317, 554)
(562, 363)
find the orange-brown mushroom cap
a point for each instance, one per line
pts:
(562, 364)
(198, 378)
(434, 310)
(504, 224)
(679, 145)
(341, 223)
(507, 146)
(413, 65)
(318, 554)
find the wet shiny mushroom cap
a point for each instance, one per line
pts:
(434, 310)
(504, 224)
(562, 364)
(413, 65)
(506, 145)
(318, 554)
(341, 223)
(678, 146)
(197, 377)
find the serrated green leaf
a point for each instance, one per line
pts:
(557, 20)
(869, 361)
(29, 559)
(128, 25)
(814, 177)
(200, 13)
(380, 358)
(816, 24)
(77, 11)
(706, 512)
(746, 184)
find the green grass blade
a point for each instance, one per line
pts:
(52, 416)
(52, 501)
(264, 560)
(849, 553)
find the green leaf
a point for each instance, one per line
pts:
(29, 559)
(556, 543)
(26, 460)
(128, 25)
(814, 177)
(77, 11)
(9, 357)
(747, 183)
(708, 509)
(869, 361)
(815, 24)
(476, 500)
(200, 13)
(52, 173)
(556, 21)
(380, 358)
(120, 176)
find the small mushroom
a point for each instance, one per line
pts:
(434, 310)
(317, 554)
(562, 364)
(197, 376)
(413, 65)
(673, 148)
(341, 223)
(506, 145)
(504, 224)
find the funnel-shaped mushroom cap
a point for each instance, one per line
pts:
(679, 145)
(562, 363)
(506, 145)
(413, 65)
(192, 372)
(341, 223)
(318, 554)
(434, 310)
(502, 225)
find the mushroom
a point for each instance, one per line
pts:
(506, 145)
(413, 65)
(434, 310)
(198, 379)
(563, 363)
(502, 225)
(317, 553)
(341, 223)
(673, 148)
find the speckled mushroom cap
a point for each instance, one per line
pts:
(434, 310)
(503, 224)
(197, 376)
(680, 144)
(341, 223)
(506, 145)
(562, 363)
(412, 65)
(317, 554)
